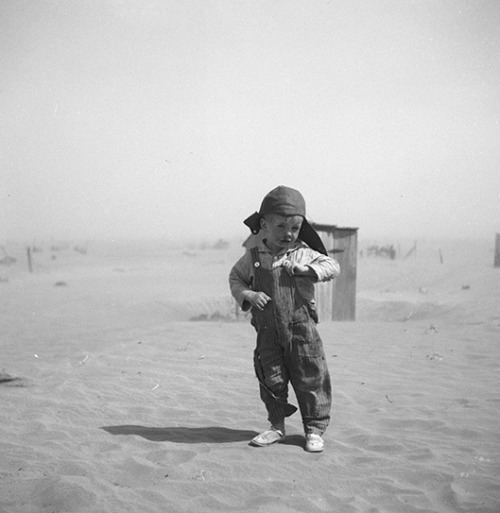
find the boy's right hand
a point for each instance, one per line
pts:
(258, 299)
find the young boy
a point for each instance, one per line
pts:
(276, 281)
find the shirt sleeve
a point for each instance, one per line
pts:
(325, 267)
(241, 281)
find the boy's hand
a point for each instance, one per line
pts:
(292, 268)
(258, 299)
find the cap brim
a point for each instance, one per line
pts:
(310, 236)
(253, 222)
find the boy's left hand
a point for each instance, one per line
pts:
(293, 269)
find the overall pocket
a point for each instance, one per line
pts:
(306, 340)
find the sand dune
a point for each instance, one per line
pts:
(115, 400)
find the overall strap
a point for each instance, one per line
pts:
(255, 255)
(259, 283)
(278, 314)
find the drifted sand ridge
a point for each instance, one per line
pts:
(126, 385)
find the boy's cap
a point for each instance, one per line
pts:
(286, 201)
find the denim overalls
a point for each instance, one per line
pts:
(289, 349)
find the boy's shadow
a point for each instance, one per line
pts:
(297, 440)
(184, 435)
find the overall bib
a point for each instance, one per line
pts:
(289, 350)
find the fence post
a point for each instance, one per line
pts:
(497, 250)
(30, 264)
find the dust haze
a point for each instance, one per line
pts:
(172, 119)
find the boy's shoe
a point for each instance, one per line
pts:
(314, 443)
(268, 437)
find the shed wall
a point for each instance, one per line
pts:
(337, 299)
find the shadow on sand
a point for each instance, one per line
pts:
(184, 435)
(297, 440)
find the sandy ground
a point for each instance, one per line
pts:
(113, 399)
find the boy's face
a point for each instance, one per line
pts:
(280, 232)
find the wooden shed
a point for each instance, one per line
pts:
(336, 300)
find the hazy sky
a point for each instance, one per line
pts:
(166, 118)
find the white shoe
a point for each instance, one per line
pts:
(268, 437)
(314, 443)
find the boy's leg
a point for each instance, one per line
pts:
(314, 395)
(311, 380)
(273, 380)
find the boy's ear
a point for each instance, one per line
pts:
(263, 223)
